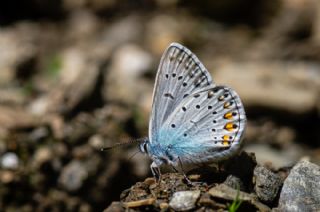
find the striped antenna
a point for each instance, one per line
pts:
(132, 141)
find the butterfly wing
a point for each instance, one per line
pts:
(207, 126)
(180, 74)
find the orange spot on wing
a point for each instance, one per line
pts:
(228, 115)
(226, 140)
(229, 126)
(225, 137)
(225, 143)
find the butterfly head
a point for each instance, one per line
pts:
(159, 154)
(144, 146)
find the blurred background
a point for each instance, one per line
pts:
(76, 75)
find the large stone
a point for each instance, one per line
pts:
(301, 189)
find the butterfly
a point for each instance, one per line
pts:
(193, 120)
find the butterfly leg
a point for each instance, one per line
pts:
(184, 174)
(155, 171)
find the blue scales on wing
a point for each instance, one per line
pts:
(205, 127)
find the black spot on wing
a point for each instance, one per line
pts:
(169, 95)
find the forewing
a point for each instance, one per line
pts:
(206, 126)
(180, 74)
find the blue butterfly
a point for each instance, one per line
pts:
(193, 121)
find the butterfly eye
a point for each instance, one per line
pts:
(145, 148)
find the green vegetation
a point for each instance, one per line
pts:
(236, 202)
(54, 66)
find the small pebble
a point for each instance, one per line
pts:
(163, 205)
(184, 200)
(9, 161)
(96, 141)
(73, 176)
(6, 176)
(42, 155)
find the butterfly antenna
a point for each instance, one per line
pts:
(132, 141)
(134, 154)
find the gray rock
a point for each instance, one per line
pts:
(184, 200)
(301, 189)
(234, 182)
(267, 184)
(73, 175)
